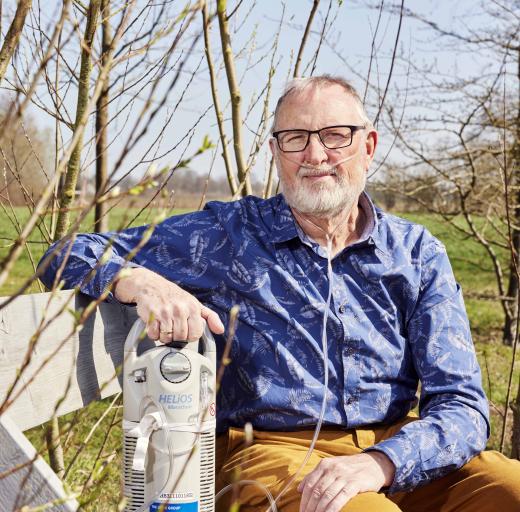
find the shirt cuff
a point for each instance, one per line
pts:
(404, 457)
(104, 278)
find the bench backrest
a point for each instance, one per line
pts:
(57, 368)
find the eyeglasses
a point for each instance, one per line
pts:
(332, 137)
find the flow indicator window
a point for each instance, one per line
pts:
(175, 367)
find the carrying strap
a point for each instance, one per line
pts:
(142, 431)
(151, 422)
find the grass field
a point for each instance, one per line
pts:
(472, 269)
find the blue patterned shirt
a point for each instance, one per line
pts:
(397, 317)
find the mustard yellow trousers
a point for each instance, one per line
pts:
(489, 482)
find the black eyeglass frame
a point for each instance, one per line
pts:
(353, 129)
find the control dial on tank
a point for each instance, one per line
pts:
(175, 367)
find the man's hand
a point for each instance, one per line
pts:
(170, 313)
(336, 480)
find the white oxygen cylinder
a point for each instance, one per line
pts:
(169, 425)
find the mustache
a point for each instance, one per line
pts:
(306, 170)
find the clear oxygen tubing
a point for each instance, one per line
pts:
(324, 342)
(325, 349)
(261, 486)
(307, 170)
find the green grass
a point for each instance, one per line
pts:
(95, 473)
(472, 269)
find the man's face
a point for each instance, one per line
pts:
(318, 180)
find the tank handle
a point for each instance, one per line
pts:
(136, 332)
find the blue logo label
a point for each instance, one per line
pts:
(172, 507)
(176, 398)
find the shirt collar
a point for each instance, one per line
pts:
(285, 227)
(372, 232)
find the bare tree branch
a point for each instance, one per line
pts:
(13, 35)
(235, 97)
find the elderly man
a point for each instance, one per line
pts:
(395, 317)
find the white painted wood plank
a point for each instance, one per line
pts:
(25, 478)
(67, 369)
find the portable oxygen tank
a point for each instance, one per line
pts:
(169, 425)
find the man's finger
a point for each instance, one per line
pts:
(180, 329)
(152, 330)
(314, 487)
(195, 328)
(338, 486)
(166, 332)
(214, 322)
(345, 494)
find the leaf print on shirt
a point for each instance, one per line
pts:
(167, 257)
(335, 416)
(312, 311)
(383, 402)
(161, 254)
(256, 386)
(402, 292)
(179, 225)
(460, 340)
(291, 289)
(445, 456)
(268, 417)
(295, 366)
(297, 397)
(259, 346)
(281, 274)
(248, 278)
(296, 360)
(198, 244)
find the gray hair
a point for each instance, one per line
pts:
(298, 85)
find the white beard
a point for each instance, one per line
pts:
(327, 198)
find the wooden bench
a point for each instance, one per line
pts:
(58, 370)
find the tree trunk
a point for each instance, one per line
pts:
(71, 177)
(216, 103)
(509, 334)
(515, 438)
(13, 35)
(101, 215)
(52, 436)
(234, 91)
(67, 196)
(305, 37)
(511, 309)
(516, 170)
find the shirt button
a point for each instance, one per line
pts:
(342, 308)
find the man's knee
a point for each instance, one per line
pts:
(497, 476)
(367, 501)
